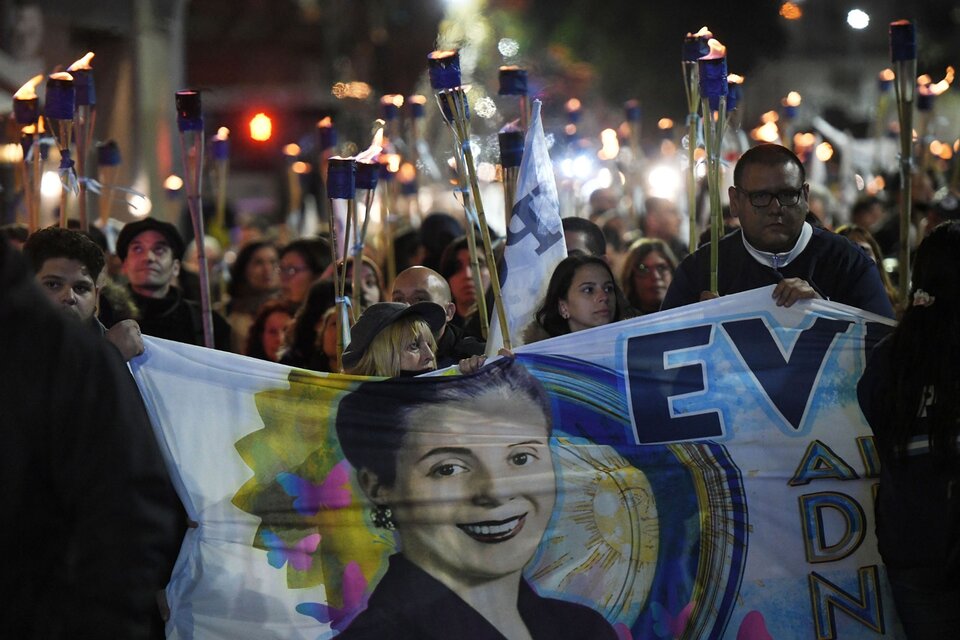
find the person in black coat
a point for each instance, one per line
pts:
(91, 523)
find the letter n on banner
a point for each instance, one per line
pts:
(866, 608)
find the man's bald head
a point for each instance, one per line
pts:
(422, 284)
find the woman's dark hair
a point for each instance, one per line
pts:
(926, 346)
(254, 347)
(372, 421)
(855, 234)
(238, 286)
(638, 253)
(449, 262)
(304, 341)
(314, 251)
(548, 315)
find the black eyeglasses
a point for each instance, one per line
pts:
(762, 199)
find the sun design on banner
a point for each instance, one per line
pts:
(312, 524)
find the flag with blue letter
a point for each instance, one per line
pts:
(534, 238)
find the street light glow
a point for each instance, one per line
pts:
(858, 19)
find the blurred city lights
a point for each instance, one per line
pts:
(858, 19)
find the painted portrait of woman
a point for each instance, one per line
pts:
(463, 473)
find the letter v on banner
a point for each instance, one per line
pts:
(534, 239)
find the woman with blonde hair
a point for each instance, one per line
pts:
(392, 339)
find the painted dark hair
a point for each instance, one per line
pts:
(373, 420)
(548, 314)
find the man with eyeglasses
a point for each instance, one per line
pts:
(151, 251)
(775, 246)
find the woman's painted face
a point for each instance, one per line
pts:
(295, 277)
(590, 301)
(273, 332)
(651, 278)
(262, 271)
(474, 490)
(417, 355)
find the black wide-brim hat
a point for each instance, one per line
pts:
(381, 315)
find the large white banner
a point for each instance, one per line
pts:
(713, 476)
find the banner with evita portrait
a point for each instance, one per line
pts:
(699, 473)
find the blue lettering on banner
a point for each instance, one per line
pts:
(865, 607)
(820, 462)
(652, 385)
(530, 224)
(788, 379)
(812, 516)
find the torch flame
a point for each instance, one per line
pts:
(664, 123)
(735, 78)
(326, 123)
(173, 183)
(83, 64)
(222, 133)
(570, 129)
(300, 168)
(417, 99)
(392, 98)
(29, 90)
(61, 75)
(703, 33)
(407, 173)
(292, 150)
(393, 162)
(610, 145)
(887, 75)
(769, 116)
(371, 152)
(717, 50)
(573, 105)
(440, 54)
(793, 99)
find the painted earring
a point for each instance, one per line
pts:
(383, 518)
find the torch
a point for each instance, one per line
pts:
(903, 54)
(291, 153)
(26, 110)
(452, 99)
(927, 91)
(326, 143)
(190, 125)
(791, 106)
(695, 46)
(61, 100)
(220, 148)
(513, 82)
(389, 166)
(423, 159)
(84, 117)
(367, 170)
(342, 191)
(511, 153)
(390, 107)
(108, 163)
(884, 85)
(714, 89)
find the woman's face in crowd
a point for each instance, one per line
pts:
(262, 272)
(590, 300)
(462, 286)
(295, 277)
(273, 333)
(369, 285)
(417, 355)
(651, 278)
(474, 490)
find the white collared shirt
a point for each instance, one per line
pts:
(778, 260)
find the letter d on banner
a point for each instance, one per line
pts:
(818, 526)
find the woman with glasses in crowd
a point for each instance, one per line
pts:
(647, 273)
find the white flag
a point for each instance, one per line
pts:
(534, 238)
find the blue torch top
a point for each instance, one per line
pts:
(341, 179)
(513, 81)
(444, 69)
(108, 154)
(61, 97)
(633, 110)
(326, 134)
(903, 41)
(713, 79)
(86, 90)
(26, 111)
(695, 46)
(511, 148)
(367, 175)
(189, 111)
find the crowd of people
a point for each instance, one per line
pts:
(279, 304)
